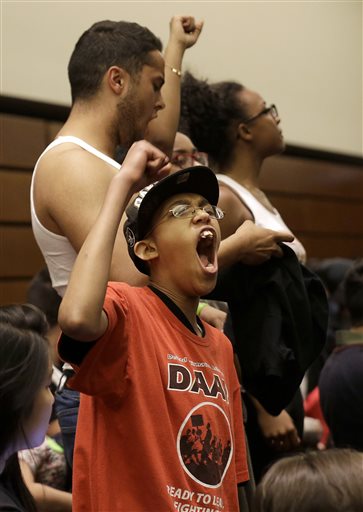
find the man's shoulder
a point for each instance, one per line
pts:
(73, 175)
(72, 159)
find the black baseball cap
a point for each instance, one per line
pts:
(140, 213)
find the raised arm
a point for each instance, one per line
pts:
(184, 33)
(81, 313)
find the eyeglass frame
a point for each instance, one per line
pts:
(191, 154)
(218, 213)
(271, 109)
(171, 213)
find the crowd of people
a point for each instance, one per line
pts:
(158, 362)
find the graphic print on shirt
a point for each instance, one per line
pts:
(204, 444)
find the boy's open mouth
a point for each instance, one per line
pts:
(206, 248)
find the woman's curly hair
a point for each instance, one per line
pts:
(209, 114)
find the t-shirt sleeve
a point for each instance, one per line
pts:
(102, 369)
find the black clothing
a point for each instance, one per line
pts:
(8, 502)
(279, 316)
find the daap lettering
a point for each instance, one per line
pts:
(181, 379)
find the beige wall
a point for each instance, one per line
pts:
(304, 56)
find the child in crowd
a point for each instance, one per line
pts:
(25, 405)
(159, 425)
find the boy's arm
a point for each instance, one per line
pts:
(81, 314)
(184, 33)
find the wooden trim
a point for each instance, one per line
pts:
(54, 112)
(31, 108)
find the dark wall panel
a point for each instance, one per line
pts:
(319, 196)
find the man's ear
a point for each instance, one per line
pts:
(244, 132)
(117, 79)
(146, 250)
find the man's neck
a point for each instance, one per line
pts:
(93, 128)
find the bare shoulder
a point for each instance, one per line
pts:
(72, 162)
(235, 210)
(69, 190)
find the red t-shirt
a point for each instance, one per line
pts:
(160, 422)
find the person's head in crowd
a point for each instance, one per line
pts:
(353, 293)
(316, 481)
(185, 154)
(25, 397)
(341, 379)
(25, 316)
(332, 272)
(41, 294)
(226, 118)
(119, 61)
(176, 220)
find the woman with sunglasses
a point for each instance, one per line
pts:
(238, 131)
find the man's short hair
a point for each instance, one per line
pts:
(105, 44)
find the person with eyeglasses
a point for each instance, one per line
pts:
(150, 371)
(185, 154)
(238, 131)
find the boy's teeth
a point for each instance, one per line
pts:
(207, 234)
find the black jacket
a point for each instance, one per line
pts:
(279, 317)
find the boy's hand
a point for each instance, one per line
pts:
(184, 30)
(144, 164)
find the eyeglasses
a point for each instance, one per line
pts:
(188, 210)
(184, 160)
(183, 211)
(268, 110)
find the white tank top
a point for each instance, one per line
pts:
(262, 216)
(57, 251)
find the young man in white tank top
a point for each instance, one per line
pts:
(116, 93)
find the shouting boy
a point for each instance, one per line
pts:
(160, 423)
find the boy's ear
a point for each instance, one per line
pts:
(146, 250)
(117, 79)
